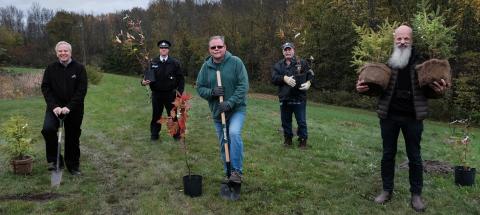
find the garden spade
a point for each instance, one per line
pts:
(228, 190)
(56, 178)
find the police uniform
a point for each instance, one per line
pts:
(168, 79)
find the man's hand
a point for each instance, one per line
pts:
(439, 87)
(362, 86)
(305, 86)
(224, 107)
(65, 110)
(145, 82)
(289, 80)
(57, 111)
(218, 91)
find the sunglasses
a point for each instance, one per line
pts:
(216, 47)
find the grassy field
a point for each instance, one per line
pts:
(125, 173)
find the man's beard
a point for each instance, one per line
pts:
(400, 56)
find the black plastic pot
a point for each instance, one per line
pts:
(464, 177)
(300, 79)
(192, 185)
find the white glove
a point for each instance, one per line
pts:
(305, 86)
(289, 80)
(65, 110)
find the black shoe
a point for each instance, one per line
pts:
(75, 172)
(302, 143)
(154, 138)
(287, 142)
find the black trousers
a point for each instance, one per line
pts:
(160, 100)
(72, 123)
(412, 132)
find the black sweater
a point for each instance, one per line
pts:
(65, 86)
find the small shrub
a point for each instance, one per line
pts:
(431, 34)
(17, 143)
(373, 46)
(94, 74)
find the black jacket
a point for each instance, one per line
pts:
(420, 95)
(285, 92)
(65, 86)
(168, 75)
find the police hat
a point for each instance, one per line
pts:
(288, 45)
(164, 44)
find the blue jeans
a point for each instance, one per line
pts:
(412, 132)
(234, 131)
(287, 109)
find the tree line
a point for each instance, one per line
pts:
(322, 30)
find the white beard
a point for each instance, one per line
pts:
(400, 56)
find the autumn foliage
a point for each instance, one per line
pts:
(176, 122)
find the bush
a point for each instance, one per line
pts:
(94, 74)
(431, 34)
(373, 47)
(15, 135)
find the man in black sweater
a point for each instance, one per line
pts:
(165, 78)
(403, 106)
(64, 87)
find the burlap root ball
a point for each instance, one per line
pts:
(433, 70)
(376, 76)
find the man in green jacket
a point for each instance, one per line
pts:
(234, 89)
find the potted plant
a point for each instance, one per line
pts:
(370, 53)
(464, 174)
(17, 144)
(176, 123)
(435, 39)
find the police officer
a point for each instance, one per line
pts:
(165, 80)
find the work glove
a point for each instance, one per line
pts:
(224, 107)
(305, 86)
(289, 80)
(218, 91)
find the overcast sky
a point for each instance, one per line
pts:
(88, 6)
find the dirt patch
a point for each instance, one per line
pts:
(432, 166)
(36, 197)
(18, 85)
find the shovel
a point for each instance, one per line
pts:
(56, 177)
(228, 190)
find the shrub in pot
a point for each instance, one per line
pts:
(176, 124)
(464, 174)
(370, 53)
(17, 144)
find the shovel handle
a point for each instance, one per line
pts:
(224, 122)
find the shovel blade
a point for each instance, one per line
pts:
(230, 191)
(56, 178)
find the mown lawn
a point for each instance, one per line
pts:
(125, 173)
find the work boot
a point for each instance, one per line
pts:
(288, 141)
(235, 177)
(53, 166)
(385, 196)
(417, 203)
(302, 143)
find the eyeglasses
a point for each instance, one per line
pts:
(216, 47)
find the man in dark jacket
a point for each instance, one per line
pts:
(166, 79)
(292, 76)
(403, 106)
(64, 87)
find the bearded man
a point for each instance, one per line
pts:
(403, 106)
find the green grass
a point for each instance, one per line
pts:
(21, 70)
(124, 173)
